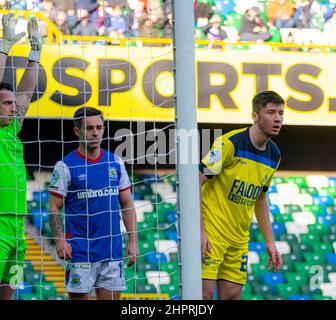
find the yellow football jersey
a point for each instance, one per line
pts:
(238, 173)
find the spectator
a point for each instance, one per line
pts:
(252, 27)
(136, 12)
(150, 27)
(329, 31)
(48, 9)
(117, 22)
(84, 26)
(215, 33)
(101, 17)
(308, 14)
(167, 25)
(202, 9)
(61, 22)
(71, 19)
(280, 13)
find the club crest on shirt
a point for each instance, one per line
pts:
(266, 175)
(214, 156)
(76, 279)
(113, 173)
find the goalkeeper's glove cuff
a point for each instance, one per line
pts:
(34, 55)
(5, 46)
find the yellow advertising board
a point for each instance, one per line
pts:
(137, 83)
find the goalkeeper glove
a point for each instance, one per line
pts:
(9, 37)
(35, 39)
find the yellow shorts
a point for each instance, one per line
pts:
(225, 262)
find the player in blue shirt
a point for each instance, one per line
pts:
(90, 183)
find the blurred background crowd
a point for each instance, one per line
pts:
(230, 20)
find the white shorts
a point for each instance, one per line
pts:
(82, 277)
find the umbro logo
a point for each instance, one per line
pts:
(82, 176)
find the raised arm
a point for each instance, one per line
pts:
(29, 79)
(130, 222)
(9, 38)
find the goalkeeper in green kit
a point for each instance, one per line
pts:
(13, 108)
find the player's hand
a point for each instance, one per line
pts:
(9, 37)
(205, 244)
(35, 39)
(63, 249)
(274, 258)
(132, 252)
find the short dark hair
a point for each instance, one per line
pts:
(261, 99)
(85, 112)
(6, 86)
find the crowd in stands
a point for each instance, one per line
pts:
(228, 20)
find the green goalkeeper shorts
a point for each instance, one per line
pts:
(12, 248)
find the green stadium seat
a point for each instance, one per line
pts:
(319, 229)
(143, 267)
(296, 278)
(277, 180)
(299, 248)
(330, 209)
(286, 267)
(290, 238)
(30, 296)
(310, 190)
(328, 191)
(328, 238)
(310, 238)
(252, 277)
(143, 189)
(263, 258)
(150, 236)
(291, 258)
(303, 268)
(170, 289)
(134, 280)
(258, 269)
(283, 218)
(290, 208)
(247, 296)
(174, 257)
(247, 289)
(329, 268)
(314, 208)
(307, 289)
(322, 247)
(285, 290)
(45, 289)
(333, 229)
(320, 297)
(314, 258)
(163, 207)
(300, 181)
(170, 267)
(145, 288)
(153, 198)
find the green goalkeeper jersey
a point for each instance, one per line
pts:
(12, 171)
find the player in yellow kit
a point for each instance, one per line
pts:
(234, 178)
